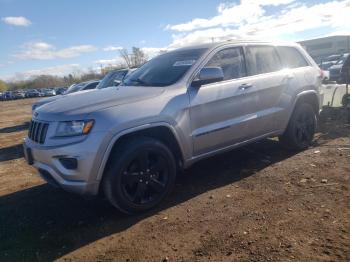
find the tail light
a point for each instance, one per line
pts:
(322, 74)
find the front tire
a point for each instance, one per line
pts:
(140, 175)
(301, 128)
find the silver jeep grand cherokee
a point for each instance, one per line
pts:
(182, 106)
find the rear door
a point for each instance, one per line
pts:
(266, 74)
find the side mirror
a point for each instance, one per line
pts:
(116, 82)
(208, 75)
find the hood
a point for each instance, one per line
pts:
(48, 99)
(44, 101)
(80, 103)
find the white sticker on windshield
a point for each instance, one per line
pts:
(184, 63)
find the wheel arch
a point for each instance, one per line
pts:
(309, 97)
(161, 131)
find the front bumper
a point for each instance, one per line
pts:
(82, 179)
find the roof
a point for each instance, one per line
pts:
(233, 41)
(88, 82)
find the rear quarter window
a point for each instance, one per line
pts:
(262, 59)
(291, 57)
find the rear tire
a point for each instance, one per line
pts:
(301, 128)
(140, 175)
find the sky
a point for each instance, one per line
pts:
(58, 37)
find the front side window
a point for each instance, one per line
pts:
(291, 57)
(164, 70)
(231, 61)
(262, 59)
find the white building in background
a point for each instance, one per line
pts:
(320, 48)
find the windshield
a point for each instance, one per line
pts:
(111, 77)
(165, 69)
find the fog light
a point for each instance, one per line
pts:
(69, 162)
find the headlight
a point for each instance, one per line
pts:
(74, 128)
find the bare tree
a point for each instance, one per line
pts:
(139, 56)
(134, 59)
(125, 55)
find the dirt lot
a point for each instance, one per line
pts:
(258, 203)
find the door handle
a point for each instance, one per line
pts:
(245, 86)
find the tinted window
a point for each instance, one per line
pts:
(291, 57)
(91, 86)
(262, 59)
(165, 69)
(231, 61)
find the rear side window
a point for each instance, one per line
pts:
(231, 61)
(291, 57)
(262, 59)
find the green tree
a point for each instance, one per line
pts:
(3, 86)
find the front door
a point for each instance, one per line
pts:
(222, 112)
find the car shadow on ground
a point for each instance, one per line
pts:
(11, 152)
(42, 223)
(12, 129)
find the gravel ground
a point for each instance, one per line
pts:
(257, 203)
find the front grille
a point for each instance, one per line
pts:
(37, 131)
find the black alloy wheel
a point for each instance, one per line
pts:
(144, 177)
(140, 175)
(301, 128)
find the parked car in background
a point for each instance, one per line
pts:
(49, 92)
(329, 61)
(178, 108)
(1, 96)
(32, 93)
(19, 94)
(345, 72)
(88, 85)
(114, 78)
(60, 90)
(41, 92)
(82, 86)
(8, 95)
(334, 70)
